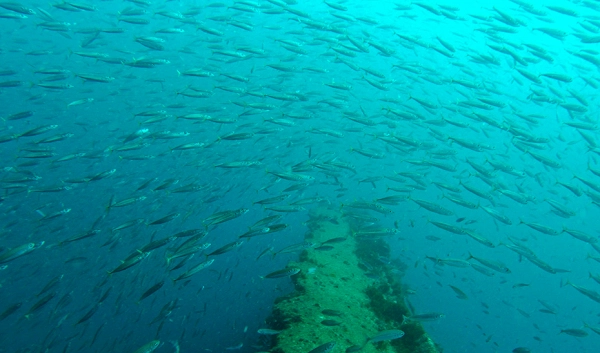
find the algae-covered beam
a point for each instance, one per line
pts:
(346, 298)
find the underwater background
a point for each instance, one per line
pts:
(143, 144)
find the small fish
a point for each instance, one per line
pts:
(235, 348)
(459, 293)
(324, 348)
(89, 314)
(595, 329)
(194, 270)
(10, 310)
(354, 349)
(17, 252)
(494, 265)
(386, 336)
(574, 332)
(595, 296)
(39, 304)
(521, 350)
(129, 262)
(165, 219)
(272, 200)
(227, 247)
(334, 240)
(296, 247)
(289, 208)
(519, 285)
(286, 272)
(422, 317)
(151, 290)
(433, 238)
(148, 347)
(264, 252)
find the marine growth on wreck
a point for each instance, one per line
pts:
(346, 292)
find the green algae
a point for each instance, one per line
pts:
(350, 278)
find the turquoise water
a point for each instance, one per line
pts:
(126, 123)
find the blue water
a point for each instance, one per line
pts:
(224, 305)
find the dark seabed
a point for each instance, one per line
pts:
(143, 141)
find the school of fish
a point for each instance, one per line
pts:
(160, 159)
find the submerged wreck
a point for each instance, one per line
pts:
(347, 296)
